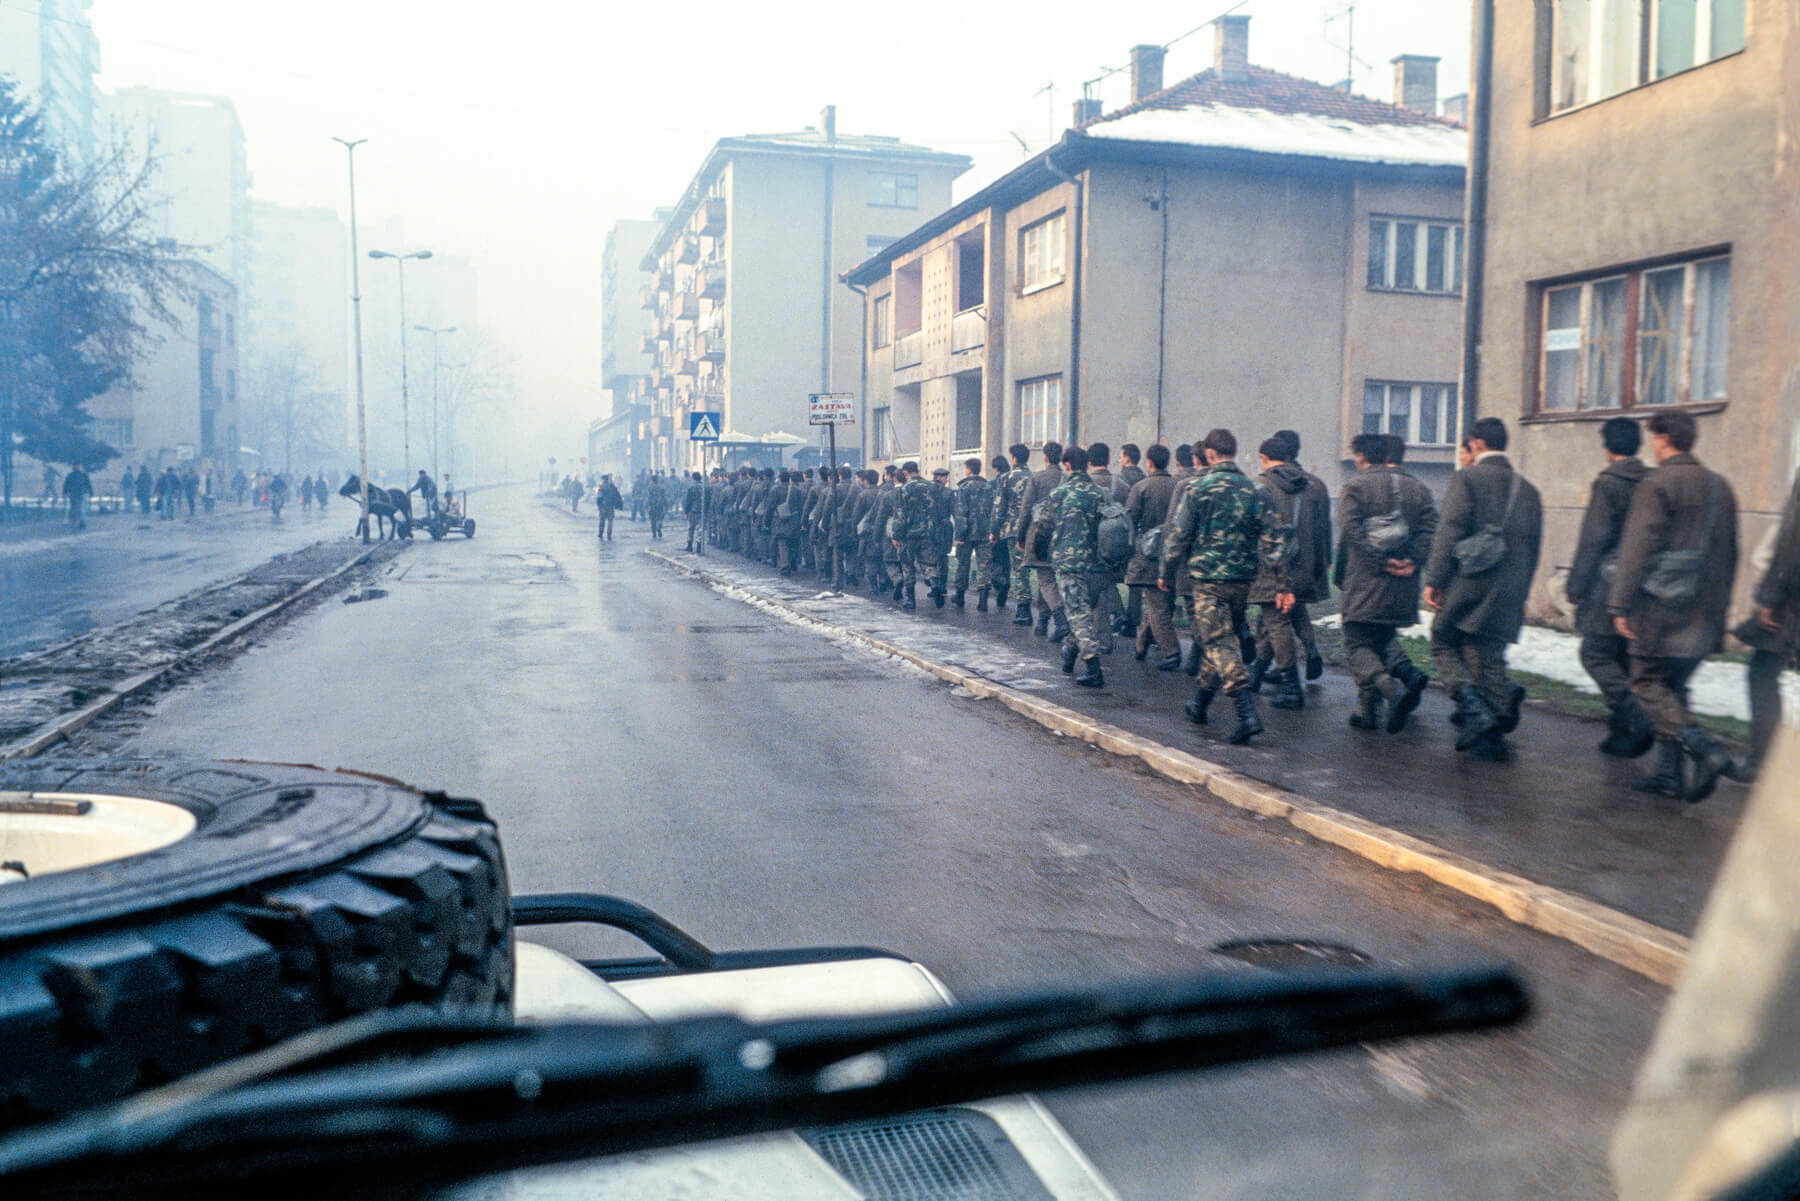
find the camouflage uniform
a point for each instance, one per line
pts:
(1224, 529)
(973, 513)
(917, 511)
(1074, 555)
(938, 538)
(1009, 497)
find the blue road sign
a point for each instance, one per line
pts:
(705, 427)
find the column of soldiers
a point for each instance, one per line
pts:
(1651, 580)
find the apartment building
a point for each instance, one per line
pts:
(1640, 234)
(181, 405)
(748, 316)
(1242, 249)
(49, 48)
(626, 330)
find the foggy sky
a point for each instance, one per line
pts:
(516, 135)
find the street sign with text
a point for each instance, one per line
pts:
(704, 426)
(831, 408)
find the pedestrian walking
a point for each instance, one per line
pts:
(656, 504)
(76, 489)
(1477, 579)
(1677, 561)
(1034, 544)
(278, 496)
(1772, 632)
(168, 488)
(144, 489)
(972, 516)
(1074, 517)
(1147, 504)
(1225, 529)
(1283, 633)
(1389, 521)
(1130, 475)
(1605, 653)
(939, 536)
(1099, 454)
(1009, 528)
(190, 489)
(693, 507)
(607, 502)
(127, 489)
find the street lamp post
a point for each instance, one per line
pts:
(405, 427)
(435, 334)
(362, 427)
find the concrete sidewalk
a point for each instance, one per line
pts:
(1558, 819)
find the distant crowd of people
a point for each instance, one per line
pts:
(1247, 556)
(196, 489)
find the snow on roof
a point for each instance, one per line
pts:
(1310, 134)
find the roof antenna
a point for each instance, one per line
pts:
(1348, 15)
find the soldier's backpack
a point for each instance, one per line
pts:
(1042, 526)
(1388, 533)
(1114, 542)
(1150, 544)
(865, 526)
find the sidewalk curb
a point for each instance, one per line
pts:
(1630, 942)
(130, 686)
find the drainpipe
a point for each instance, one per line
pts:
(1074, 298)
(1475, 224)
(862, 391)
(1162, 306)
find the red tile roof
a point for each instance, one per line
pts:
(1277, 93)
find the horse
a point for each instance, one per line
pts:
(388, 505)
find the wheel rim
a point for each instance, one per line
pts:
(45, 833)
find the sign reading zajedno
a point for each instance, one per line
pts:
(832, 408)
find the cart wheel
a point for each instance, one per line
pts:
(468, 527)
(436, 530)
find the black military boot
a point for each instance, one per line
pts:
(937, 597)
(1000, 591)
(1059, 624)
(902, 589)
(1091, 676)
(1636, 734)
(1169, 662)
(956, 598)
(981, 601)
(908, 600)
(1490, 746)
(1288, 693)
(1367, 714)
(1247, 646)
(1315, 662)
(1412, 683)
(1196, 708)
(1190, 658)
(1042, 625)
(1477, 717)
(1508, 718)
(1070, 650)
(1259, 670)
(1023, 617)
(1249, 723)
(1710, 762)
(1666, 779)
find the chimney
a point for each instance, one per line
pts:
(1415, 82)
(1456, 108)
(828, 120)
(1231, 47)
(1087, 109)
(1146, 71)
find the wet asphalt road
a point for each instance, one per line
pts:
(635, 733)
(58, 586)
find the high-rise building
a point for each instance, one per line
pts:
(750, 316)
(626, 328)
(49, 47)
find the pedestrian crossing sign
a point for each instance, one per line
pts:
(704, 427)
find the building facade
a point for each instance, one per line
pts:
(627, 333)
(181, 406)
(49, 47)
(748, 317)
(1242, 249)
(299, 297)
(1641, 224)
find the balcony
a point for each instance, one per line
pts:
(684, 307)
(688, 252)
(665, 333)
(712, 280)
(647, 297)
(646, 343)
(665, 280)
(968, 330)
(686, 365)
(910, 350)
(709, 218)
(712, 347)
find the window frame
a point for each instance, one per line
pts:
(881, 320)
(1452, 420)
(897, 184)
(1632, 368)
(1047, 430)
(1646, 19)
(1455, 250)
(1046, 254)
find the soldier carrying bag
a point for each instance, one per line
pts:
(1675, 579)
(1485, 549)
(1113, 538)
(1042, 526)
(1388, 533)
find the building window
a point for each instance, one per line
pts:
(909, 298)
(890, 191)
(115, 432)
(1414, 255)
(1040, 411)
(1041, 253)
(1602, 47)
(971, 270)
(1659, 336)
(1423, 414)
(881, 432)
(968, 412)
(206, 367)
(882, 321)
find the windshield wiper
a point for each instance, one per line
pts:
(336, 1111)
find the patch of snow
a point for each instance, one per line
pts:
(1229, 127)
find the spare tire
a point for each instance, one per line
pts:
(252, 902)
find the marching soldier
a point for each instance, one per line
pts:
(1148, 507)
(912, 531)
(1677, 562)
(1009, 527)
(693, 505)
(1098, 455)
(1605, 653)
(1074, 553)
(1129, 476)
(1305, 509)
(1773, 633)
(1389, 520)
(973, 518)
(1478, 578)
(941, 536)
(1032, 544)
(1225, 529)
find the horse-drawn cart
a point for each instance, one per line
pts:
(450, 516)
